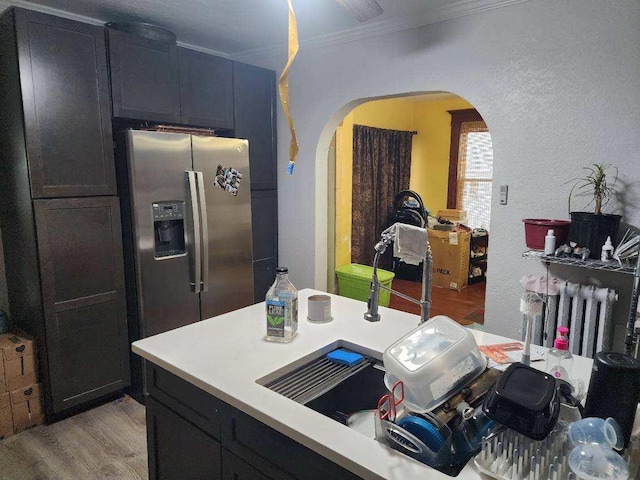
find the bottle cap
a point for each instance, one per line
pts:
(282, 270)
(550, 232)
(608, 242)
(561, 342)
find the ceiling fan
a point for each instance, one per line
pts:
(362, 10)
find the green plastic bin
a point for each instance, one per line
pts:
(354, 281)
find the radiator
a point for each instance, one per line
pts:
(584, 309)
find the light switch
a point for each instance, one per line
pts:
(504, 192)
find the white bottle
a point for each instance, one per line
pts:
(549, 243)
(282, 309)
(559, 360)
(607, 251)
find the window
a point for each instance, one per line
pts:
(470, 167)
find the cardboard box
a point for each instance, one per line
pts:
(6, 418)
(453, 215)
(3, 385)
(17, 353)
(26, 407)
(450, 253)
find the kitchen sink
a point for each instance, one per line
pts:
(336, 391)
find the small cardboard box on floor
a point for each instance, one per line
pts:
(450, 252)
(19, 361)
(6, 418)
(20, 394)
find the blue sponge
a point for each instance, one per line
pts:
(345, 357)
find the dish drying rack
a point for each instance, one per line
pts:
(508, 455)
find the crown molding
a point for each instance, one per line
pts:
(383, 27)
(457, 9)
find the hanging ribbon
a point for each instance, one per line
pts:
(283, 86)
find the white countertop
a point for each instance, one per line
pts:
(225, 355)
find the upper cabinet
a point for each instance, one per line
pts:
(158, 82)
(255, 119)
(206, 89)
(144, 78)
(65, 96)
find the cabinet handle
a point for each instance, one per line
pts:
(20, 349)
(195, 218)
(28, 391)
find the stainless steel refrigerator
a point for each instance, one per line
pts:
(188, 205)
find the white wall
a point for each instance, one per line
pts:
(558, 84)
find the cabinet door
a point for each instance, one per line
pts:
(264, 274)
(264, 215)
(144, 78)
(254, 91)
(65, 93)
(233, 468)
(177, 449)
(264, 212)
(206, 89)
(80, 249)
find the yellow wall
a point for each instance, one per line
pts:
(429, 156)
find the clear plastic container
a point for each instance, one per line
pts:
(434, 361)
(282, 309)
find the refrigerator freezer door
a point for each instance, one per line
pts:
(228, 284)
(157, 164)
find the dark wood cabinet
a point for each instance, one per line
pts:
(178, 449)
(144, 78)
(255, 119)
(79, 246)
(264, 215)
(65, 95)
(206, 89)
(63, 256)
(234, 468)
(254, 91)
(247, 449)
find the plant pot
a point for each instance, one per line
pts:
(535, 229)
(591, 231)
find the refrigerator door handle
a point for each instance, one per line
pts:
(197, 239)
(205, 232)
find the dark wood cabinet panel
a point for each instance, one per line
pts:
(206, 89)
(144, 78)
(248, 449)
(65, 93)
(189, 401)
(254, 92)
(234, 468)
(264, 215)
(264, 274)
(272, 453)
(83, 297)
(177, 449)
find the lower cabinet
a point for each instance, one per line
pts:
(246, 450)
(234, 468)
(178, 449)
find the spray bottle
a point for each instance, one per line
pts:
(559, 360)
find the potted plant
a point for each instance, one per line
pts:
(591, 229)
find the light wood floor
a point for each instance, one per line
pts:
(108, 442)
(454, 304)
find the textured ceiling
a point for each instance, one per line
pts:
(234, 26)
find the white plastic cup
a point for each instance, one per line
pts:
(319, 310)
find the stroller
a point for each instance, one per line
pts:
(408, 208)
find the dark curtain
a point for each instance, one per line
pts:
(381, 168)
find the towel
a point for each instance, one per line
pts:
(410, 244)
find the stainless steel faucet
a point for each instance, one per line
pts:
(373, 301)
